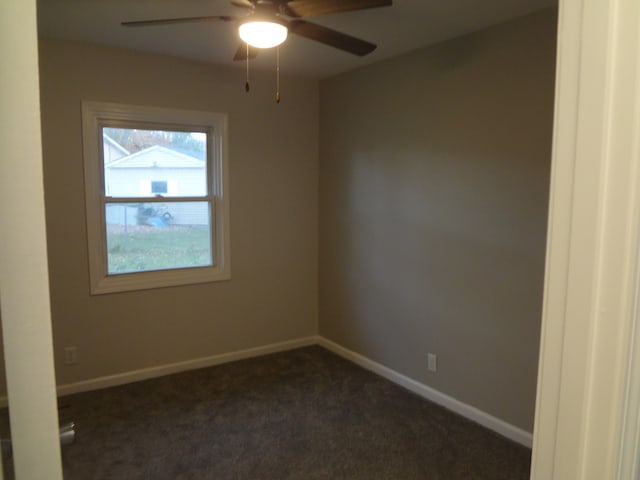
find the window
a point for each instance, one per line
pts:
(159, 187)
(156, 196)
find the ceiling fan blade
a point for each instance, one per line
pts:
(331, 37)
(312, 8)
(242, 3)
(241, 53)
(168, 21)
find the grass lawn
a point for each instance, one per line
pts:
(142, 248)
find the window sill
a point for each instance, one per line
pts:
(158, 279)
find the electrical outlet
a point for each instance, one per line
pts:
(70, 355)
(432, 362)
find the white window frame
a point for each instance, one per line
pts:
(95, 115)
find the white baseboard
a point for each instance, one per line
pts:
(488, 421)
(499, 426)
(161, 370)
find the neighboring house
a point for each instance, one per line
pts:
(112, 150)
(157, 172)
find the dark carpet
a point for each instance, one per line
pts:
(302, 414)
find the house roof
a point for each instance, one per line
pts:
(157, 157)
(106, 138)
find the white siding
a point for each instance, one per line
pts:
(120, 214)
(134, 182)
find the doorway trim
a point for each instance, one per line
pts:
(591, 278)
(24, 287)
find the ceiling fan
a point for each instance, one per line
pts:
(268, 23)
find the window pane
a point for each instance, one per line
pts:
(157, 236)
(145, 163)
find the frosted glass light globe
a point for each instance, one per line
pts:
(263, 34)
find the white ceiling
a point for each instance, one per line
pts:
(400, 28)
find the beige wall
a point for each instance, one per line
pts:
(273, 149)
(434, 177)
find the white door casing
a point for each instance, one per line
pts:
(24, 288)
(592, 253)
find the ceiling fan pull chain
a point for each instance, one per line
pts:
(246, 84)
(278, 74)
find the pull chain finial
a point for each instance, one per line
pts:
(246, 85)
(278, 74)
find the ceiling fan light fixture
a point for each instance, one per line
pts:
(263, 34)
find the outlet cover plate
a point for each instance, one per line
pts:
(432, 362)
